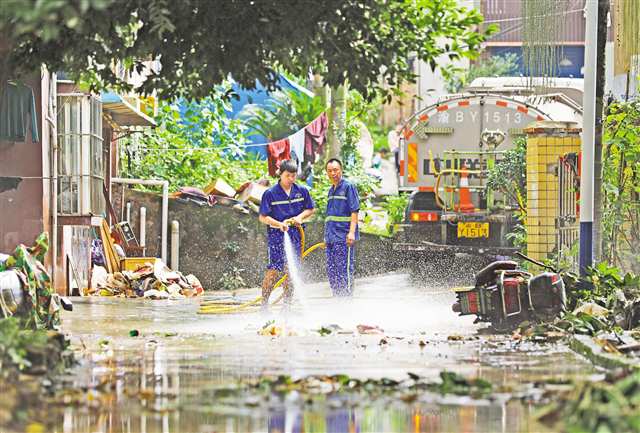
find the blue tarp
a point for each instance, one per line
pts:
(260, 95)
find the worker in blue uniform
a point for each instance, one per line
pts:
(341, 230)
(284, 205)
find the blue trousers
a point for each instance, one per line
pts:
(341, 264)
(277, 255)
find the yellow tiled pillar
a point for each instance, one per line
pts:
(546, 142)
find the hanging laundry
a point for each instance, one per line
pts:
(297, 148)
(315, 137)
(18, 113)
(277, 152)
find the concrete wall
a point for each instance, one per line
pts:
(215, 240)
(22, 217)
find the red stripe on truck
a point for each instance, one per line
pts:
(402, 167)
(501, 103)
(408, 134)
(540, 118)
(425, 188)
(463, 104)
(443, 107)
(423, 118)
(523, 109)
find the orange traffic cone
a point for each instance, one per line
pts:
(465, 204)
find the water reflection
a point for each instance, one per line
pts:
(501, 418)
(163, 381)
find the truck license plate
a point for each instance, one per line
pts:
(473, 230)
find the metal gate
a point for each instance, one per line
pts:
(567, 221)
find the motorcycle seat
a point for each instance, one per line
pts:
(488, 273)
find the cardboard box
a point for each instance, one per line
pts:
(133, 263)
(253, 193)
(220, 187)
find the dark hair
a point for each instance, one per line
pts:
(333, 160)
(288, 165)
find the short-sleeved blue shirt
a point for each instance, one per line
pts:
(280, 206)
(343, 201)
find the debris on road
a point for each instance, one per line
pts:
(370, 330)
(609, 406)
(150, 280)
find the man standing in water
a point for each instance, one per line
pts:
(341, 230)
(283, 204)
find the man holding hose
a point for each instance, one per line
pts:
(341, 230)
(284, 204)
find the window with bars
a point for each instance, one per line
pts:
(80, 158)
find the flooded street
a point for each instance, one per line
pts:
(164, 379)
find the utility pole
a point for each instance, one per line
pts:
(603, 12)
(588, 133)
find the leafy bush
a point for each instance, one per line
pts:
(194, 147)
(494, 66)
(285, 112)
(31, 351)
(621, 185)
(231, 280)
(395, 205)
(509, 176)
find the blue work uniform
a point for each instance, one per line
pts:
(280, 206)
(342, 201)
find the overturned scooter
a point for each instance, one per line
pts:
(505, 295)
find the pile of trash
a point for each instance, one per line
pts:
(244, 199)
(150, 280)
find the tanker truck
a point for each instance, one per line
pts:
(447, 150)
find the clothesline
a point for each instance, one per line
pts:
(211, 149)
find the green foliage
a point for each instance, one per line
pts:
(285, 113)
(395, 205)
(194, 149)
(454, 383)
(308, 387)
(609, 288)
(621, 185)
(611, 405)
(368, 112)
(509, 176)
(604, 283)
(28, 350)
(494, 66)
(200, 46)
(231, 247)
(231, 280)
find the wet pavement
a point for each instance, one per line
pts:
(163, 380)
